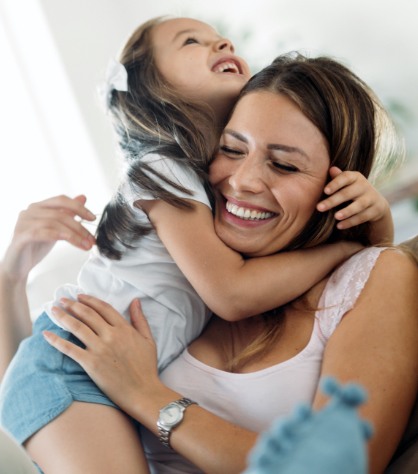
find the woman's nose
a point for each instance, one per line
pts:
(224, 44)
(248, 176)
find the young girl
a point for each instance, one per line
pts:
(176, 84)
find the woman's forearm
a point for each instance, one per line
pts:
(112, 350)
(15, 321)
(211, 443)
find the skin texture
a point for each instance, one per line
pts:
(188, 54)
(264, 167)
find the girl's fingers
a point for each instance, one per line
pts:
(352, 219)
(341, 180)
(355, 220)
(349, 193)
(356, 207)
(334, 171)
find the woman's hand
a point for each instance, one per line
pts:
(40, 226)
(121, 358)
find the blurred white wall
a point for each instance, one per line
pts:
(377, 38)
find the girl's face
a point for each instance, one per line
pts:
(268, 174)
(199, 63)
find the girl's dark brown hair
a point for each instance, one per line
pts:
(151, 118)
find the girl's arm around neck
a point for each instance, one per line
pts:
(231, 286)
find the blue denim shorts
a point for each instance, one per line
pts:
(41, 383)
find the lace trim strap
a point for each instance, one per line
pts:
(344, 287)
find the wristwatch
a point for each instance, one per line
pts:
(170, 416)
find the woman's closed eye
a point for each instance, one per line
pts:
(228, 151)
(284, 167)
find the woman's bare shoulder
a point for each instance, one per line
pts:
(397, 261)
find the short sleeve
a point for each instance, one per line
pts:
(176, 173)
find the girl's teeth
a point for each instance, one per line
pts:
(227, 67)
(247, 214)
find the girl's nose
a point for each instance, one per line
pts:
(224, 44)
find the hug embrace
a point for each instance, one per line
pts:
(246, 231)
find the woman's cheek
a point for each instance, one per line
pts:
(217, 170)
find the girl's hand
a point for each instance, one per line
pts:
(121, 358)
(364, 202)
(40, 226)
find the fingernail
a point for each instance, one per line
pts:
(86, 243)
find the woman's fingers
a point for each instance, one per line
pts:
(111, 356)
(66, 347)
(75, 325)
(72, 206)
(139, 321)
(105, 311)
(53, 226)
(61, 216)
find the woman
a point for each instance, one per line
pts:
(293, 121)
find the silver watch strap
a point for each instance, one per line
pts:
(185, 402)
(164, 433)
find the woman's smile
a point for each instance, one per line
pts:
(268, 174)
(246, 211)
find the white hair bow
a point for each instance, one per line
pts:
(116, 79)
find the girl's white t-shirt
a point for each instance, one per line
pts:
(174, 310)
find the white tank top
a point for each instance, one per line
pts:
(253, 400)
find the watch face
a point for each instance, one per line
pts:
(171, 415)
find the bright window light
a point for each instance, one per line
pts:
(45, 148)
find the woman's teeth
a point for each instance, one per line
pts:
(247, 214)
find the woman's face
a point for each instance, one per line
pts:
(199, 63)
(268, 174)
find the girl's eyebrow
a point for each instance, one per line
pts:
(279, 147)
(185, 32)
